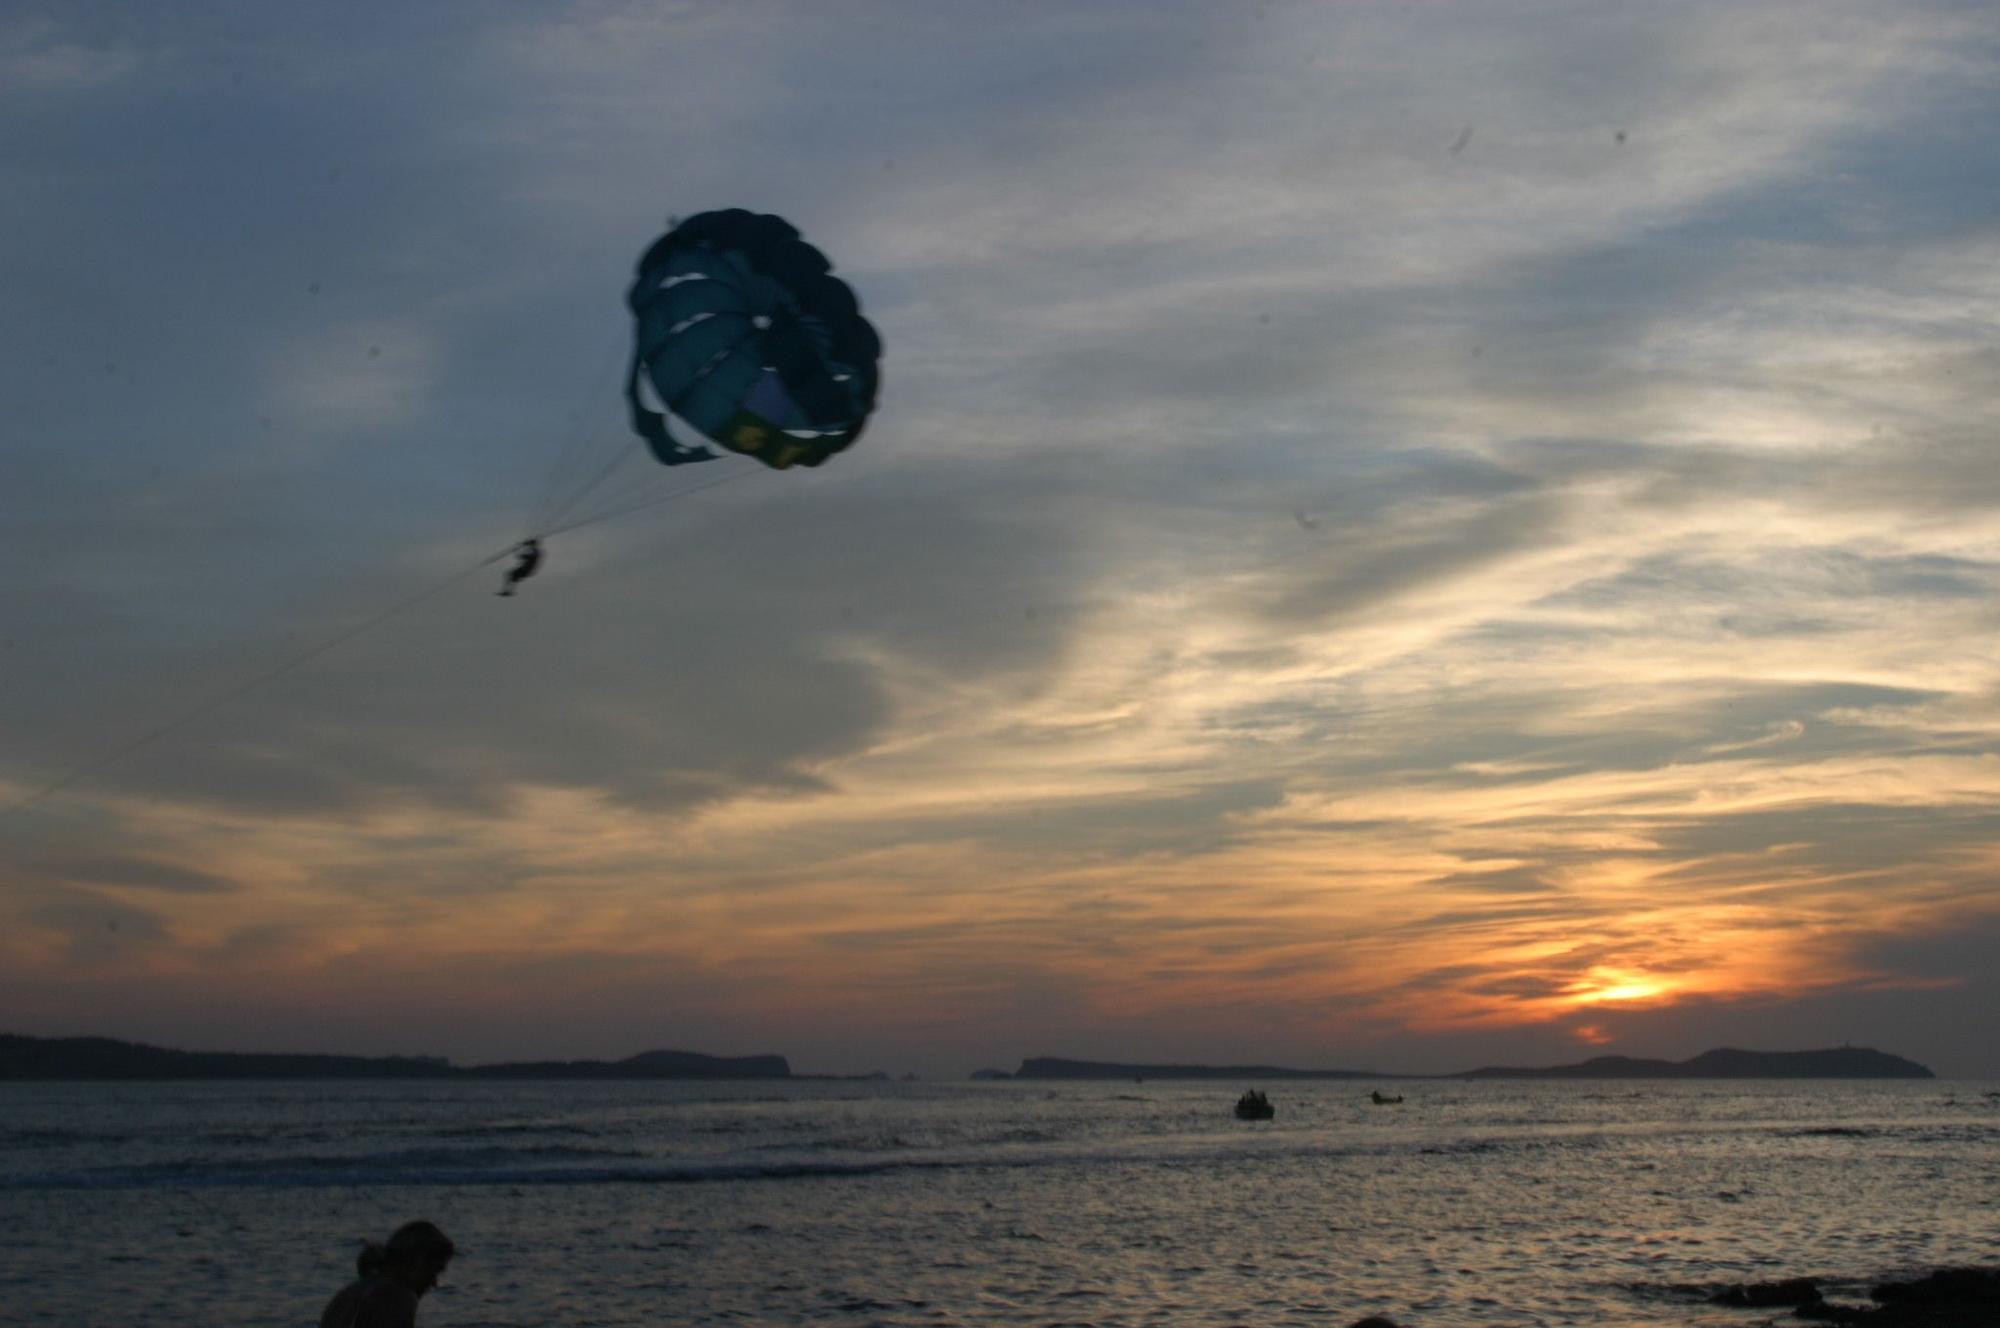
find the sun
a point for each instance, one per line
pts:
(1613, 987)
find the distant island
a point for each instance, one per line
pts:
(1722, 1063)
(1729, 1063)
(108, 1058)
(1055, 1067)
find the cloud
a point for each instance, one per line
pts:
(96, 930)
(132, 872)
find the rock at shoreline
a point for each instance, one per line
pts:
(1947, 1298)
(1800, 1291)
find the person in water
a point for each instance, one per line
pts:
(390, 1279)
(527, 557)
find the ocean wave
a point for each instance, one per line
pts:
(411, 1165)
(40, 1137)
(54, 1137)
(838, 1144)
(571, 1165)
(504, 1129)
(318, 1173)
(1917, 1132)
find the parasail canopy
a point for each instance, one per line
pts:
(747, 343)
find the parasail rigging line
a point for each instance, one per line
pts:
(77, 774)
(563, 508)
(640, 505)
(577, 449)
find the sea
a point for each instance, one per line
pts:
(1092, 1204)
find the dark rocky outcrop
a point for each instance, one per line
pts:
(1947, 1298)
(1765, 1295)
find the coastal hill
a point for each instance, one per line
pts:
(1722, 1063)
(1055, 1067)
(646, 1065)
(1729, 1063)
(108, 1058)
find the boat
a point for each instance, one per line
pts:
(1382, 1101)
(1253, 1105)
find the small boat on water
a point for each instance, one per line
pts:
(1253, 1105)
(1381, 1101)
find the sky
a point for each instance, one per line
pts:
(1398, 536)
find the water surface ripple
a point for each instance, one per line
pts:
(1103, 1205)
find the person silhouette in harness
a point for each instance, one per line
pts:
(527, 557)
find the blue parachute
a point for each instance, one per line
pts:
(749, 343)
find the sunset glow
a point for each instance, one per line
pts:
(1615, 989)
